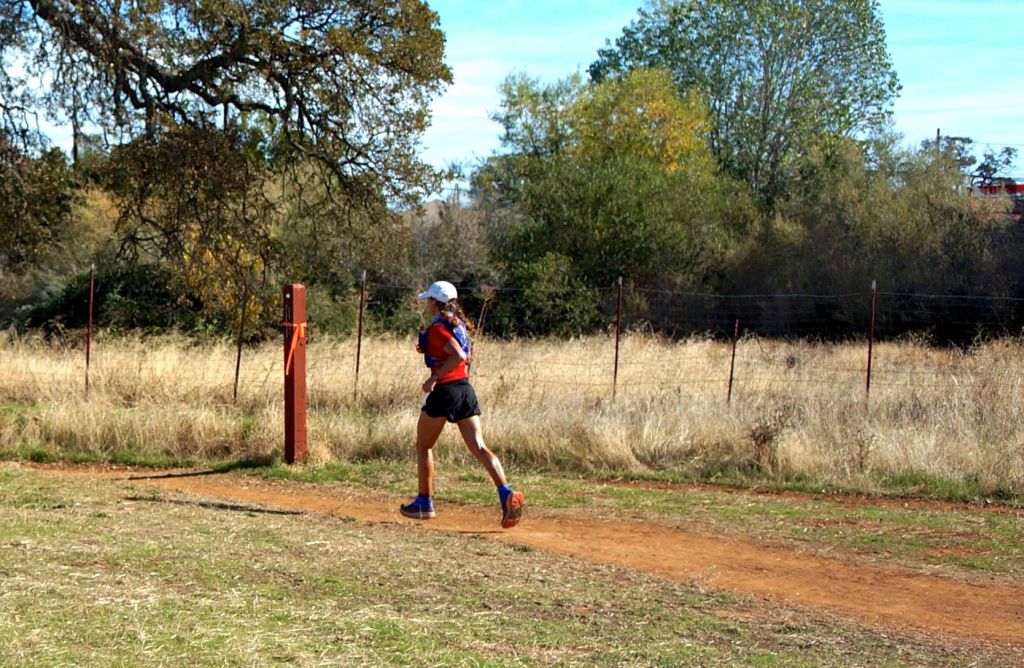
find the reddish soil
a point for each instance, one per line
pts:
(877, 596)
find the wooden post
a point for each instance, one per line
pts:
(732, 362)
(88, 335)
(359, 334)
(871, 336)
(618, 336)
(295, 446)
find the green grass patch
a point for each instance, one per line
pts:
(50, 454)
(908, 485)
(18, 412)
(916, 484)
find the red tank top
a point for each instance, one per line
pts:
(438, 337)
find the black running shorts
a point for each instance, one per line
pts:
(453, 401)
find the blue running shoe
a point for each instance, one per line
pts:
(421, 508)
(512, 509)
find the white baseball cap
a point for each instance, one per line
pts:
(442, 291)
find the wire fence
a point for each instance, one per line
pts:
(692, 342)
(740, 322)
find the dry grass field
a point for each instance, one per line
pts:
(939, 422)
(159, 568)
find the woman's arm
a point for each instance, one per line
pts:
(456, 355)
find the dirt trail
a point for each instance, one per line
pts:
(875, 595)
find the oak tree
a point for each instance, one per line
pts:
(344, 82)
(228, 120)
(781, 77)
(35, 202)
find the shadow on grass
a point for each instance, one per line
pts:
(227, 467)
(215, 505)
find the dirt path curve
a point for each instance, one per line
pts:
(875, 595)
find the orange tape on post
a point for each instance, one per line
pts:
(298, 332)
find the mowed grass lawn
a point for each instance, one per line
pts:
(105, 573)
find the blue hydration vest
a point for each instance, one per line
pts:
(459, 332)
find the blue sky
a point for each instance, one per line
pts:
(959, 63)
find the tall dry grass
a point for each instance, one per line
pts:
(798, 409)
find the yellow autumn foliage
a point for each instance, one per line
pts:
(643, 116)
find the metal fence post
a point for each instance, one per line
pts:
(359, 334)
(238, 343)
(732, 362)
(618, 336)
(88, 335)
(871, 336)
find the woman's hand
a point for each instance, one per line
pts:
(455, 357)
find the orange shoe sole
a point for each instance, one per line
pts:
(513, 510)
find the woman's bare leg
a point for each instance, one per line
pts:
(428, 429)
(472, 434)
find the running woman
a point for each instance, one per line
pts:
(445, 346)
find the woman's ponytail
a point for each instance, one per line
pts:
(455, 315)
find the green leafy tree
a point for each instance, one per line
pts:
(613, 179)
(36, 196)
(959, 150)
(879, 211)
(344, 83)
(194, 202)
(780, 76)
(551, 301)
(231, 120)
